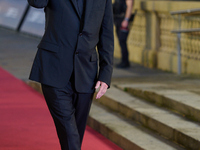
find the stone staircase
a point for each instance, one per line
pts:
(148, 116)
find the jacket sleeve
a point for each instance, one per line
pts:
(106, 45)
(38, 3)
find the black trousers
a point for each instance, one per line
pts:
(122, 37)
(69, 110)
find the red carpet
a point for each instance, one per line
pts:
(25, 122)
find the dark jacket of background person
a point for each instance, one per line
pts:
(66, 48)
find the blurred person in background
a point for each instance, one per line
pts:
(122, 10)
(66, 63)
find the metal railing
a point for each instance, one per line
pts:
(179, 31)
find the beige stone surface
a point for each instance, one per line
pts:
(129, 131)
(193, 66)
(159, 119)
(180, 100)
(167, 6)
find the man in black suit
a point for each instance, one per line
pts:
(67, 63)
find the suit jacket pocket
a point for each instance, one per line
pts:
(48, 46)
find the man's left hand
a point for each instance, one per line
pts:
(103, 88)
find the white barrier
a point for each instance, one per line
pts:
(34, 22)
(11, 12)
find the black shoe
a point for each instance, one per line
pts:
(123, 65)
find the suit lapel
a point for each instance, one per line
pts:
(88, 8)
(74, 2)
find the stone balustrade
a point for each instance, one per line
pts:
(151, 42)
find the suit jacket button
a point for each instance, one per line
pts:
(80, 34)
(76, 52)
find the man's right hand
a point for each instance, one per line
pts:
(103, 88)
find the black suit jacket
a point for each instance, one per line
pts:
(66, 48)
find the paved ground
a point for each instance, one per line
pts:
(17, 52)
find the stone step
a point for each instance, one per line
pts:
(125, 133)
(172, 126)
(184, 102)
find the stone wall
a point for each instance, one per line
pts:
(151, 42)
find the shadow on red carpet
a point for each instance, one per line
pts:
(26, 124)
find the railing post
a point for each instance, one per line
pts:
(179, 46)
(23, 17)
